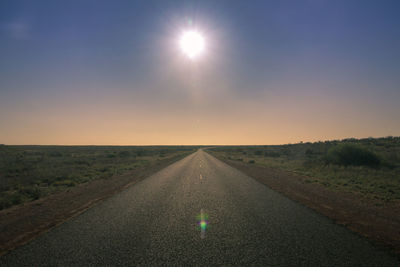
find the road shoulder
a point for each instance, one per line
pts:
(22, 223)
(374, 219)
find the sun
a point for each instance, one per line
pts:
(192, 44)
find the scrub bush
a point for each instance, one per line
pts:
(352, 154)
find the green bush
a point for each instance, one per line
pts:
(351, 154)
(252, 161)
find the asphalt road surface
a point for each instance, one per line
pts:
(199, 211)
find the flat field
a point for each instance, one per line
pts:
(31, 172)
(368, 167)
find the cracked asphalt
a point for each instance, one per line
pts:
(156, 222)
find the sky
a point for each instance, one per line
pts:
(272, 72)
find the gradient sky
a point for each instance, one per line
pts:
(111, 72)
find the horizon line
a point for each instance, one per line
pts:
(204, 145)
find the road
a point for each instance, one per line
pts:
(156, 222)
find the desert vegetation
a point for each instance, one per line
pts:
(30, 172)
(369, 167)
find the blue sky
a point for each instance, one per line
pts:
(110, 72)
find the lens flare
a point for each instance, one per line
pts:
(202, 223)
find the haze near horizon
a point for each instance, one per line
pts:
(268, 72)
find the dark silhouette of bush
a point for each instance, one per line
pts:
(55, 154)
(140, 153)
(32, 192)
(309, 152)
(124, 154)
(272, 154)
(258, 153)
(352, 154)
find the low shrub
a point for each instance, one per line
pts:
(124, 154)
(32, 192)
(351, 154)
(271, 154)
(55, 154)
(68, 183)
(309, 152)
(16, 198)
(258, 153)
(8, 200)
(4, 203)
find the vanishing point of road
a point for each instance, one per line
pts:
(199, 211)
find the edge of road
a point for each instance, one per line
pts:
(23, 223)
(379, 224)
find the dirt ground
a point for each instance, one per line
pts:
(22, 223)
(374, 219)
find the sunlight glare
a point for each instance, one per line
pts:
(192, 44)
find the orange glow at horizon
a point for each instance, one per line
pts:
(212, 121)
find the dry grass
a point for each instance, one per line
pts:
(378, 180)
(31, 172)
